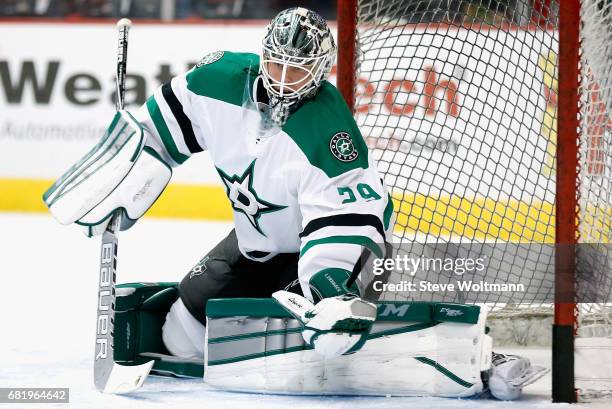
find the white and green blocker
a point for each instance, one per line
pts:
(120, 172)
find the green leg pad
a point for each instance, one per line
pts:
(141, 310)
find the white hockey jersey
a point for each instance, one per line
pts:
(310, 187)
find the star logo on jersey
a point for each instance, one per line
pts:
(342, 147)
(244, 199)
(199, 269)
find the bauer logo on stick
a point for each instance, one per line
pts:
(341, 145)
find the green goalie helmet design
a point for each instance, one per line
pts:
(298, 52)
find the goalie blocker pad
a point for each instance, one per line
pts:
(120, 172)
(414, 349)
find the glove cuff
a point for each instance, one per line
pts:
(331, 282)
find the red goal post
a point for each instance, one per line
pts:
(544, 104)
(563, 384)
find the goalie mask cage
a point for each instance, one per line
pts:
(490, 121)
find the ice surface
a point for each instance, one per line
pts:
(48, 308)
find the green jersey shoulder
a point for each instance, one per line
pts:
(323, 127)
(325, 130)
(222, 75)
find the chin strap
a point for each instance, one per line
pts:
(279, 111)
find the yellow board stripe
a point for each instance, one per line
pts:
(474, 219)
(178, 200)
(193, 202)
(485, 219)
(23, 195)
(443, 216)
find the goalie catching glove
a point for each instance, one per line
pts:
(334, 326)
(120, 172)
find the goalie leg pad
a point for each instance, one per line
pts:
(414, 349)
(141, 312)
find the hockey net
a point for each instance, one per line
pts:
(458, 100)
(595, 159)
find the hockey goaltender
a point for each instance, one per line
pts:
(307, 200)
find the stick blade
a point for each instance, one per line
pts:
(120, 379)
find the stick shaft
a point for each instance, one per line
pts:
(105, 323)
(109, 376)
(104, 359)
(122, 47)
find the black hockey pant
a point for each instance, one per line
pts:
(225, 273)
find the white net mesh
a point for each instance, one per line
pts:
(595, 175)
(458, 100)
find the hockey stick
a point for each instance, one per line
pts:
(109, 376)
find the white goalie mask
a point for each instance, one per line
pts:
(298, 52)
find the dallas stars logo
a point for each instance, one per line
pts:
(244, 199)
(341, 146)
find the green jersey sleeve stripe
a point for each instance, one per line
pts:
(164, 132)
(360, 240)
(181, 118)
(388, 211)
